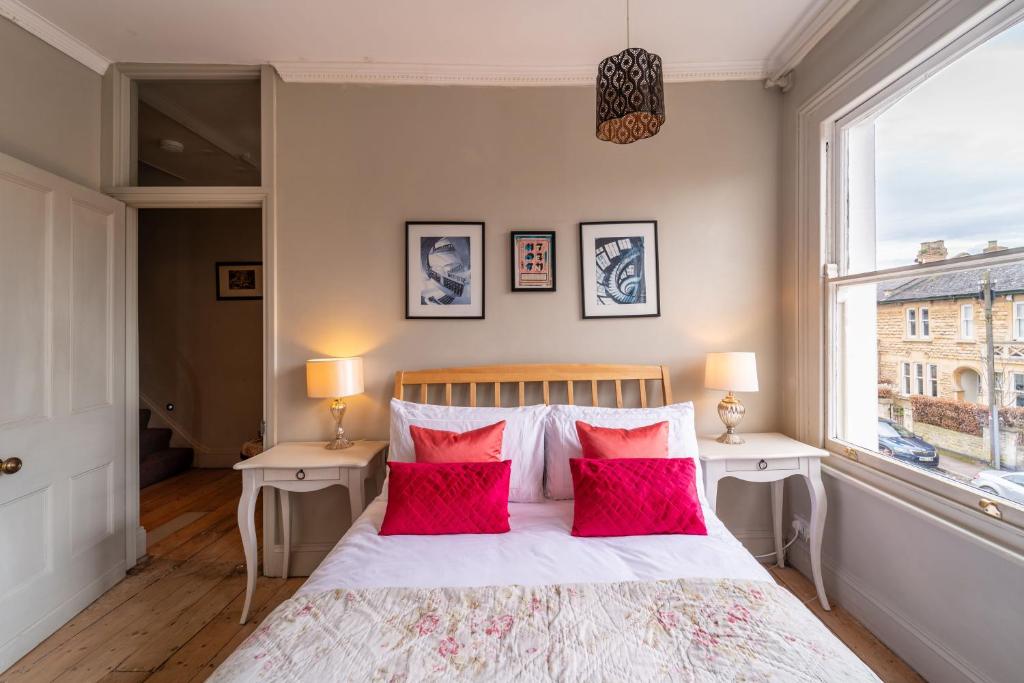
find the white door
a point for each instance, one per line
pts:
(62, 402)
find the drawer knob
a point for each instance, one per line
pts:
(762, 464)
(301, 474)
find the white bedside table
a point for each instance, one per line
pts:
(298, 466)
(771, 457)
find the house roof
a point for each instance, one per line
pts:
(1007, 279)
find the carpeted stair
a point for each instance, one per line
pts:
(157, 460)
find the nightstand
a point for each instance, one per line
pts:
(771, 457)
(298, 466)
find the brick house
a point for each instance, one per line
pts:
(931, 333)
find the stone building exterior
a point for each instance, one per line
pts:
(932, 342)
(931, 334)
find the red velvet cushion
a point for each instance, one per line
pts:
(449, 498)
(476, 445)
(635, 497)
(643, 442)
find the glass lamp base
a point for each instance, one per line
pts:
(339, 441)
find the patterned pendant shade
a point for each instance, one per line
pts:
(630, 96)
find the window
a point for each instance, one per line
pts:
(197, 132)
(905, 381)
(911, 322)
(966, 321)
(911, 246)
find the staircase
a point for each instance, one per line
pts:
(157, 460)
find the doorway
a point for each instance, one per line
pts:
(200, 336)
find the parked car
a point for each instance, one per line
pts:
(1009, 485)
(897, 442)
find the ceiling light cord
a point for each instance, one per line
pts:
(627, 24)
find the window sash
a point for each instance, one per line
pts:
(933, 380)
(925, 331)
(911, 322)
(967, 321)
(1018, 320)
(835, 208)
(905, 372)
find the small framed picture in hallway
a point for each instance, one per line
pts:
(239, 280)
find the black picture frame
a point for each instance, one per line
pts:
(586, 307)
(550, 234)
(217, 281)
(478, 275)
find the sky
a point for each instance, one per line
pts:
(950, 157)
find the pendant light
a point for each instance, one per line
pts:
(630, 95)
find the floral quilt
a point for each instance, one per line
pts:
(678, 630)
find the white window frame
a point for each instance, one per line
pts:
(905, 379)
(1016, 392)
(911, 319)
(924, 323)
(967, 321)
(919, 379)
(932, 379)
(1018, 320)
(963, 32)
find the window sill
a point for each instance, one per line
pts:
(881, 477)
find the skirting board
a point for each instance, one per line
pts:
(23, 643)
(923, 652)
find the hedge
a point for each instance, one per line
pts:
(966, 418)
(943, 412)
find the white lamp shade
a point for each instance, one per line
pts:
(334, 377)
(731, 371)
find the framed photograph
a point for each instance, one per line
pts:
(239, 280)
(533, 261)
(619, 269)
(444, 270)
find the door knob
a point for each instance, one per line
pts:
(10, 466)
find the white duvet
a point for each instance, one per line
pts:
(537, 551)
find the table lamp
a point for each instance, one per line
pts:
(729, 372)
(335, 378)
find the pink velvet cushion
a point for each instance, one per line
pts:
(476, 445)
(650, 441)
(448, 498)
(635, 497)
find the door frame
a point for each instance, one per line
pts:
(119, 154)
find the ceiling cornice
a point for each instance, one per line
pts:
(814, 25)
(464, 74)
(54, 35)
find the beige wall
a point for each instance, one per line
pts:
(203, 355)
(49, 107)
(355, 162)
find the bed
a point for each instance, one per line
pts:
(537, 604)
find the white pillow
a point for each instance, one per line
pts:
(562, 442)
(523, 441)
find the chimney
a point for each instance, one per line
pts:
(993, 246)
(931, 251)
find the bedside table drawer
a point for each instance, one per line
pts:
(752, 465)
(312, 474)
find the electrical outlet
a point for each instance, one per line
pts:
(802, 527)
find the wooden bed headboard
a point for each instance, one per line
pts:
(546, 375)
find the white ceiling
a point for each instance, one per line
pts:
(460, 40)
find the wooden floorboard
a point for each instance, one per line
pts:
(175, 616)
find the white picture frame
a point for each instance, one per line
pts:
(619, 273)
(444, 270)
